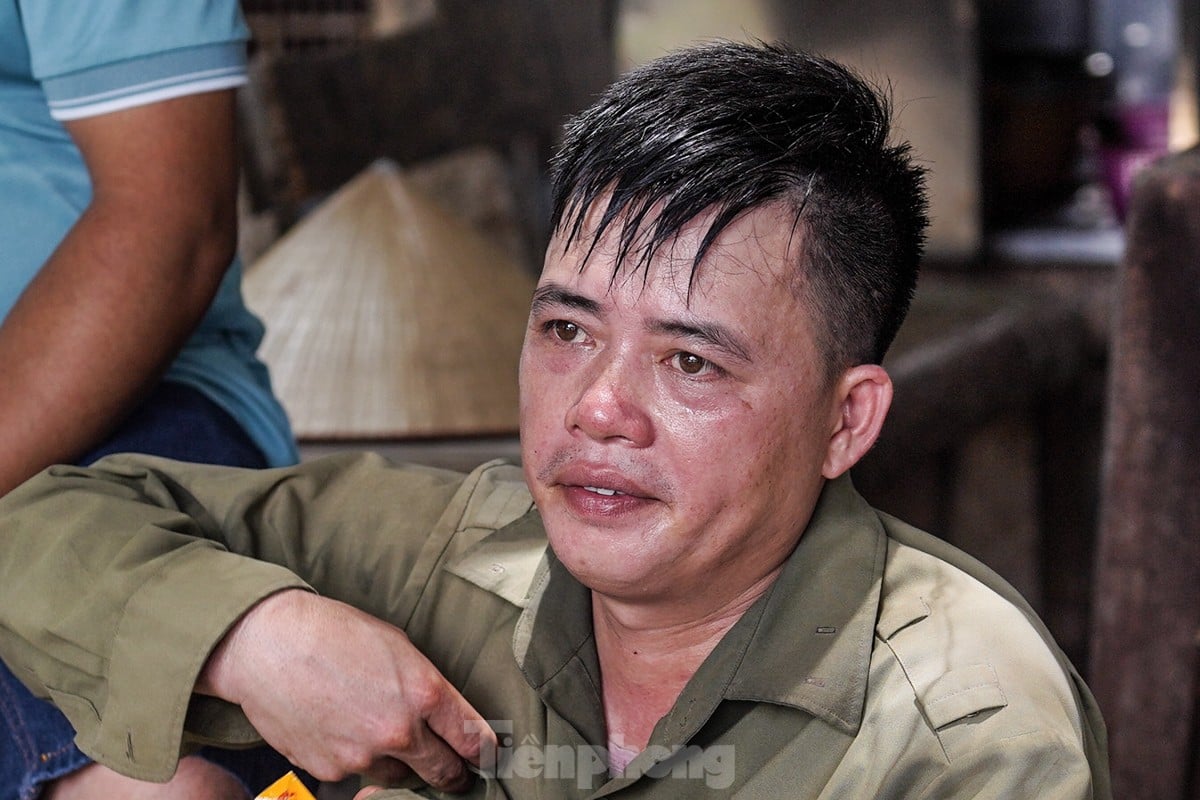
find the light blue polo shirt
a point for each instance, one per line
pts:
(62, 61)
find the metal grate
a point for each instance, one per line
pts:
(286, 25)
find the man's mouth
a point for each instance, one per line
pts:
(598, 487)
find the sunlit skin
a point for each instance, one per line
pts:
(676, 441)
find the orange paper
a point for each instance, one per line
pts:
(288, 787)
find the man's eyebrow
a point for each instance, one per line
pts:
(708, 333)
(554, 296)
(711, 334)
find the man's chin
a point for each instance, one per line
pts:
(609, 570)
(609, 580)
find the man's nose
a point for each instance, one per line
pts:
(611, 404)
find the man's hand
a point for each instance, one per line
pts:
(338, 691)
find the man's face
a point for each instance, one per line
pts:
(673, 443)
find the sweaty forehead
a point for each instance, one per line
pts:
(761, 243)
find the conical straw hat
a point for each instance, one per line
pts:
(388, 318)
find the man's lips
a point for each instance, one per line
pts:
(602, 482)
(600, 490)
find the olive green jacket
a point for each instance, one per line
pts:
(882, 663)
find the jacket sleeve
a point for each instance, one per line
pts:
(1035, 764)
(117, 581)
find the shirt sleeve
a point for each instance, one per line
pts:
(115, 54)
(117, 581)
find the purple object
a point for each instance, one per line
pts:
(1142, 139)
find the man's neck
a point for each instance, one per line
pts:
(647, 655)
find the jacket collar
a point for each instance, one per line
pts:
(805, 644)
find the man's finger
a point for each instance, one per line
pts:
(388, 771)
(462, 728)
(436, 762)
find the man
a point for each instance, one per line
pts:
(717, 612)
(118, 182)
(122, 326)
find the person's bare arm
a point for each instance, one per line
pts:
(119, 296)
(339, 692)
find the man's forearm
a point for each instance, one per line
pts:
(111, 598)
(110, 573)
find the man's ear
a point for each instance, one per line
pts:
(864, 395)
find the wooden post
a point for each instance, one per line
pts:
(1147, 592)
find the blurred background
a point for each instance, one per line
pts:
(394, 212)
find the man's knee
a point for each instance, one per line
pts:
(196, 779)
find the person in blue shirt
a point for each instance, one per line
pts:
(122, 326)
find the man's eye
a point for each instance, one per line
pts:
(566, 331)
(690, 363)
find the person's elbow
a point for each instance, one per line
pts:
(214, 240)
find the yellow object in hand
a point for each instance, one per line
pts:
(288, 787)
